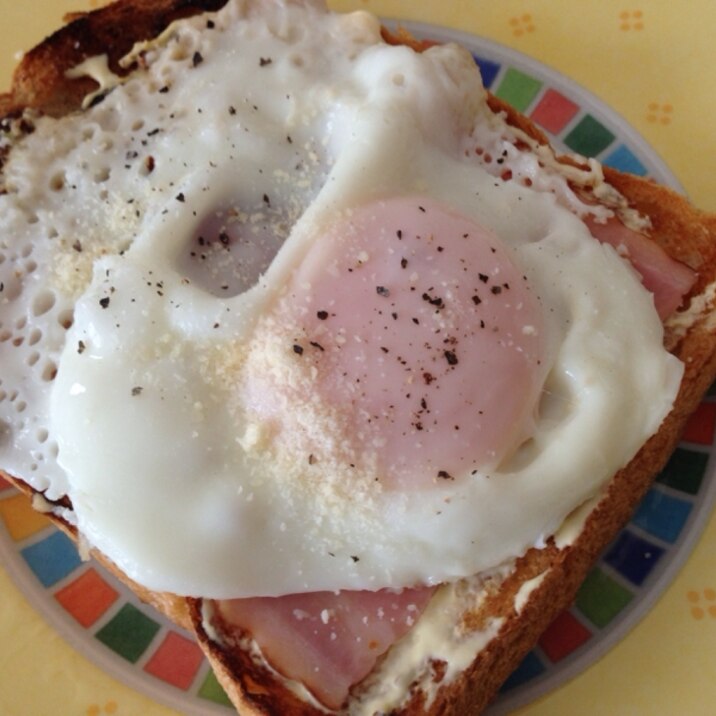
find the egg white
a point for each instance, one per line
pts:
(122, 356)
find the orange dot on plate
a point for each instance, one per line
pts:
(710, 594)
(527, 17)
(665, 120)
(518, 33)
(697, 612)
(638, 25)
(625, 26)
(624, 14)
(692, 596)
(637, 14)
(514, 21)
(667, 108)
(712, 611)
(110, 707)
(93, 710)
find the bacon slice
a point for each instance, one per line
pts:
(668, 280)
(328, 641)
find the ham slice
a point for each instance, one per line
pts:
(668, 280)
(327, 641)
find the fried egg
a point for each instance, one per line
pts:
(275, 322)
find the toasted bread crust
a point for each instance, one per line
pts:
(688, 235)
(40, 81)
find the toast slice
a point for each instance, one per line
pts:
(512, 607)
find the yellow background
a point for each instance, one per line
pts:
(653, 62)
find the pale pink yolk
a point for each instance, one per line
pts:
(425, 333)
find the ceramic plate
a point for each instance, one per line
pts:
(105, 622)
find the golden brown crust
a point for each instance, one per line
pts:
(688, 235)
(40, 81)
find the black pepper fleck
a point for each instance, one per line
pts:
(298, 350)
(437, 301)
(104, 302)
(197, 59)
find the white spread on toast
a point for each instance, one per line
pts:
(438, 644)
(702, 305)
(121, 351)
(526, 590)
(97, 68)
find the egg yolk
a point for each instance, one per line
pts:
(421, 330)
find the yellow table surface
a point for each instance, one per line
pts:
(653, 62)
